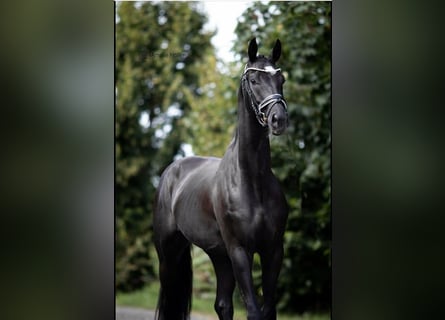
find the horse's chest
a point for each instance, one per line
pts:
(249, 215)
(252, 203)
(246, 211)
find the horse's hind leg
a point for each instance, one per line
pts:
(225, 286)
(175, 274)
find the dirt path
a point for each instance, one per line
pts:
(128, 313)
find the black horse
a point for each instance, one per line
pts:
(231, 207)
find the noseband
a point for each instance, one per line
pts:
(267, 102)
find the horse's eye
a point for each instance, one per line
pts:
(252, 81)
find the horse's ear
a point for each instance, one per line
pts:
(276, 51)
(253, 49)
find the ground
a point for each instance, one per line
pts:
(129, 313)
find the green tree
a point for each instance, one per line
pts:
(158, 47)
(301, 159)
(212, 118)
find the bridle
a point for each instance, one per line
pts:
(267, 102)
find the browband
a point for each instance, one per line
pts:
(267, 69)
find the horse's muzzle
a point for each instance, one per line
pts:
(277, 120)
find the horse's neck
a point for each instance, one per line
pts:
(246, 164)
(253, 148)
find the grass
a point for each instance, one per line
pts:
(147, 299)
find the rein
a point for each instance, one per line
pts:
(267, 102)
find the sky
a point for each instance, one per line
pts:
(223, 15)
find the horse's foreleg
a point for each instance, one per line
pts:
(225, 286)
(271, 264)
(242, 268)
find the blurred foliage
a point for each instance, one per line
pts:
(171, 90)
(158, 47)
(213, 116)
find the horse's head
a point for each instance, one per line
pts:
(263, 83)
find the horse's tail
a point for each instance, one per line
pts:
(175, 298)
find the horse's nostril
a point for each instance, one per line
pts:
(274, 118)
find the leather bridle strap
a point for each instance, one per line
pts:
(267, 102)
